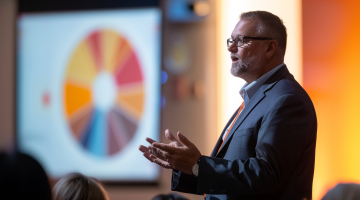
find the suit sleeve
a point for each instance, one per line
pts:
(281, 140)
(182, 182)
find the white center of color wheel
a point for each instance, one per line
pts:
(104, 91)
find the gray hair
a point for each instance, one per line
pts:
(270, 24)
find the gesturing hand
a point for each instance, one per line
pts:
(180, 155)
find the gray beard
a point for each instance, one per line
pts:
(238, 69)
(242, 66)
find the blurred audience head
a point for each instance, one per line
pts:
(76, 186)
(349, 191)
(22, 177)
(171, 196)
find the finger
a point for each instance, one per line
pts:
(169, 136)
(158, 152)
(184, 140)
(164, 147)
(154, 152)
(143, 148)
(147, 156)
(146, 153)
(149, 140)
(160, 162)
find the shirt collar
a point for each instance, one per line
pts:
(248, 90)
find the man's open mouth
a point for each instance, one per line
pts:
(234, 58)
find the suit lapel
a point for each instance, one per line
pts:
(255, 100)
(244, 113)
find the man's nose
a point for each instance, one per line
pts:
(233, 48)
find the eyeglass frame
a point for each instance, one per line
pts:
(245, 37)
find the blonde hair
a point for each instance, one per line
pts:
(78, 187)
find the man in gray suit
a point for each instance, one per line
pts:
(267, 149)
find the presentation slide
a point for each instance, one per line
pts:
(89, 91)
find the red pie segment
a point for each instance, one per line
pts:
(130, 72)
(95, 47)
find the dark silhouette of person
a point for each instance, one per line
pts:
(22, 177)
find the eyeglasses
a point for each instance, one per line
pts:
(239, 41)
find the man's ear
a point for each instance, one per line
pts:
(271, 48)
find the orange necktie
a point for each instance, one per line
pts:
(240, 109)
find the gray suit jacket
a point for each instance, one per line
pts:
(269, 152)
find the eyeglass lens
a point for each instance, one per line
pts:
(239, 41)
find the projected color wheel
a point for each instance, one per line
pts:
(103, 93)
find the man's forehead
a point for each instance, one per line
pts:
(245, 28)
